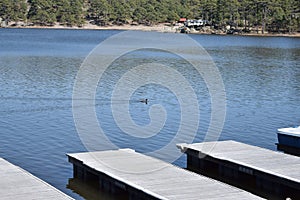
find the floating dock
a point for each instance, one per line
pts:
(142, 177)
(16, 183)
(255, 169)
(289, 140)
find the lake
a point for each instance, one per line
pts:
(38, 70)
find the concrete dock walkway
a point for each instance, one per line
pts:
(16, 183)
(274, 173)
(144, 177)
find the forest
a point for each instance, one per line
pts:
(271, 15)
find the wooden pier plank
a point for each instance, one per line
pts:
(155, 177)
(16, 183)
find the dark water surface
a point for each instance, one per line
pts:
(37, 73)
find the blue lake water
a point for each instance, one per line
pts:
(38, 70)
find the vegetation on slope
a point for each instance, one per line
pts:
(270, 15)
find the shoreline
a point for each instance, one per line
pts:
(158, 28)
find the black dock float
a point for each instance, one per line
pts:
(288, 149)
(140, 177)
(270, 174)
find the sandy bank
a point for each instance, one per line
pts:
(158, 27)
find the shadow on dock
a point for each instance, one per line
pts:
(91, 190)
(245, 183)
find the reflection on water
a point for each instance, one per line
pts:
(262, 90)
(157, 95)
(37, 73)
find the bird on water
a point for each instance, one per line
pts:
(144, 101)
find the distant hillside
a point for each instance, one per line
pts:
(270, 15)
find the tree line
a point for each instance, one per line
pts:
(269, 15)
